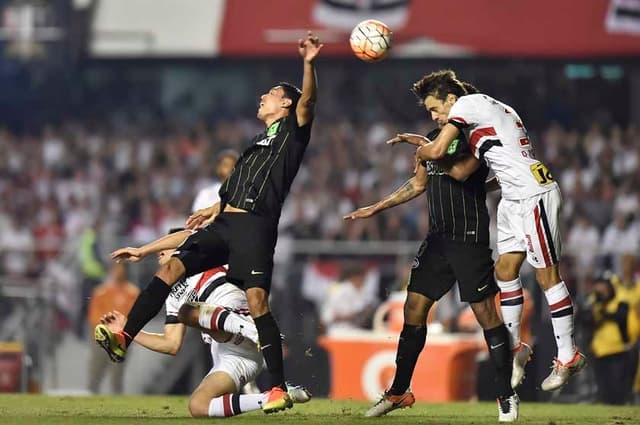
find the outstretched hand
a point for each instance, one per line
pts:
(410, 138)
(309, 47)
(364, 212)
(199, 218)
(132, 255)
(114, 320)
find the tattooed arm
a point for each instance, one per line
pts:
(409, 190)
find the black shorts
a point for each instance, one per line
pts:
(245, 241)
(441, 262)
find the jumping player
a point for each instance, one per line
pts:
(528, 213)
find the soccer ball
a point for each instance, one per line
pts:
(370, 40)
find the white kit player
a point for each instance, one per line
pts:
(528, 213)
(222, 314)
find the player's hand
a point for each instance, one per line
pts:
(114, 320)
(309, 47)
(198, 218)
(364, 212)
(132, 255)
(410, 138)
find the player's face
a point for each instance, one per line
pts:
(439, 109)
(224, 167)
(272, 103)
(165, 256)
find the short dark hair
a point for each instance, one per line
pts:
(439, 84)
(291, 92)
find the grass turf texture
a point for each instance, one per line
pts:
(32, 409)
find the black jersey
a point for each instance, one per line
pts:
(458, 210)
(264, 172)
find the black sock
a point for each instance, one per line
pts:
(271, 347)
(147, 305)
(501, 357)
(410, 345)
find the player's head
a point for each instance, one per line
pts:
(165, 256)
(225, 161)
(438, 91)
(278, 102)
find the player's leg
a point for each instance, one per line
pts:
(473, 268)
(512, 245)
(216, 318)
(200, 251)
(430, 279)
(252, 245)
(542, 228)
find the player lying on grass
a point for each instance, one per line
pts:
(209, 303)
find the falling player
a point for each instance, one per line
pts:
(528, 213)
(206, 301)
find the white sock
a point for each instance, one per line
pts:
(561, 309)
(234, 404)
(219, 318)
(511, 304)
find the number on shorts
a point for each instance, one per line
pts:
(541, 173)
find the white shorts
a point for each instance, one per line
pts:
(532, 225)
(240, 357)
(239, 362)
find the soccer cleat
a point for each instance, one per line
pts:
(508, 408)
(298, 393)
(278, 399)
(521, 357)
(560, 373)
(109, 343)
(389, 402)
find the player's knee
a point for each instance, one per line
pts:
(506, 269)
(199, 406)
(416, 309)
(257, 298)
(172, 271)
(548, 277)
(188, 314)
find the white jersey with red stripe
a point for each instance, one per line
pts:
(190, 290)
(497, 135)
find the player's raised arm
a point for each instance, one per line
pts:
(439, 146)
(463, 168)
(409, 190)
(308, 48)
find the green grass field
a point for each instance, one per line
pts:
(25, 409)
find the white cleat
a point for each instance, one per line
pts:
(521, 357)
(508, 408)
(298, 393)
(389, 402)
(560, 373)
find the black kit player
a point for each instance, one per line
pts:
(455, 249)
(241, 230)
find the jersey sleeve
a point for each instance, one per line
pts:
(463, 113)
(173, 303)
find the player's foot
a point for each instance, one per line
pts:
(298, 393)
(278, 399)
(389, 402)
(521, 357)
(508, 408)
(110, 342)
(560, 373)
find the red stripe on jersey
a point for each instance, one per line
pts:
(511, 294)
(226, 404)
(480, 133)
(565, 302)
(208, 275)
(459, 119)
(543, 243)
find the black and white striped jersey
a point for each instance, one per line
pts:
(264, 172)
(458, 210)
